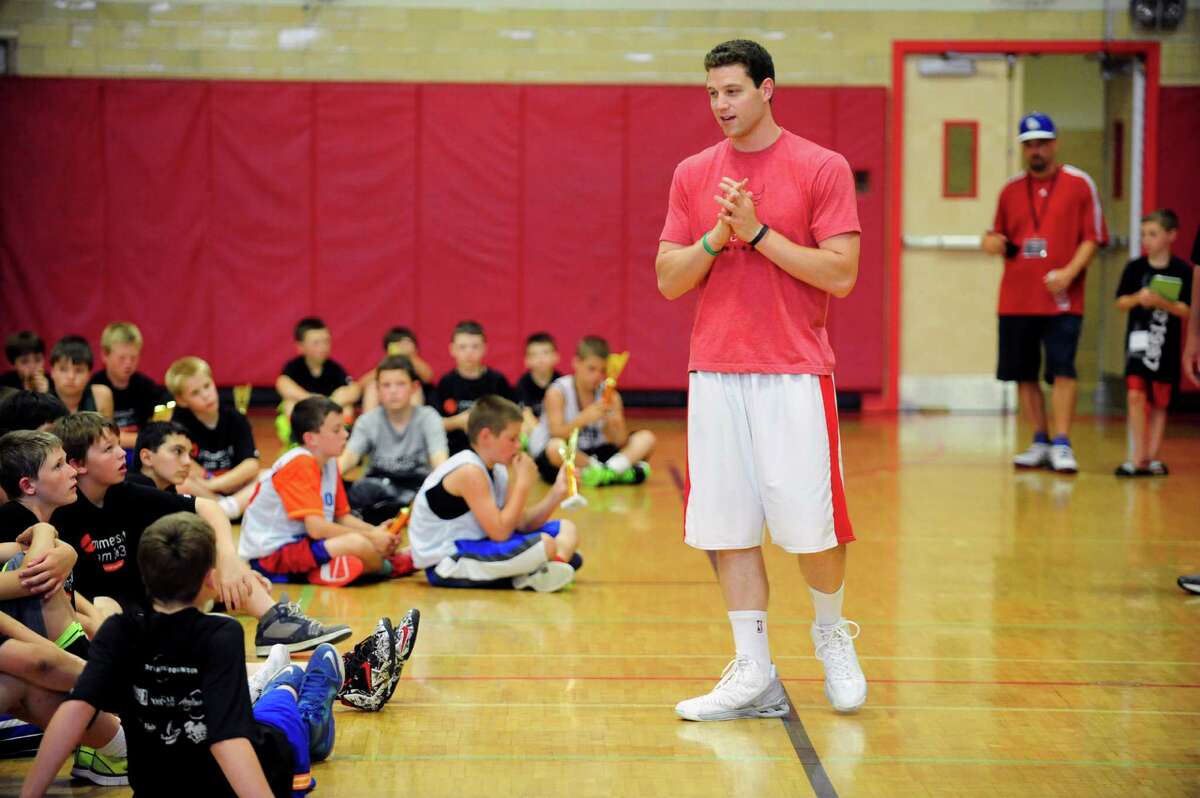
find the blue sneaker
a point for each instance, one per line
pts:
(292, 676)
(322, 680)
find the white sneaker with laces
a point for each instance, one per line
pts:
(277, 660)
(744, 691)
(1036, 456)
(1062, 459)
(550, 578)
(845, 685)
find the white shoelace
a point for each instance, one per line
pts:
(735, 673)
(835, 650)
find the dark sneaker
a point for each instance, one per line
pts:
(284, 623)
(369, 668)
(93, 766)
(406, 638)
(1128, 469)
(634, 475)
(322, 679)
(1158, 468)
(1190, 583)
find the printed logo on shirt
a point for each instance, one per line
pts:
(328, 499)
(450, 407)
(110, 551)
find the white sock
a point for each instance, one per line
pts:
(115, 748)
(229, 506)
(619, 463)
(750, 636)
(828, 606)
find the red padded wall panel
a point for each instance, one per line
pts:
(52, 216)
(157, 212)
(572, 272)
(365, 186)
(1179, 165)
(666, 125)
(261, 225)
(467, 212)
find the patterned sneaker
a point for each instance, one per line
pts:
(550, 578)
(322, 679)
(1036, 456)
(1158, 468)
(1062, 459)
(277, 660)
(845, 685)
(369, 668)
(406, 638)
(284, 623)
(338, 572)
(744, 691)
(1190, 583)
(97, 768)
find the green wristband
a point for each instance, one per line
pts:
(707, 248)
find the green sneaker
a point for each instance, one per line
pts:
(597, 475)
(635, 475)
(283, 426)
(99, 769)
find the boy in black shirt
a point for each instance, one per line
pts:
(541, 357)
(108, 519)
(313, 373)
(225, 460)
(397, 341)
(163, 454)
(30, 410)
(1155, 289)
(470, 380)
(178, 676)
(26, 351)
(134, 394)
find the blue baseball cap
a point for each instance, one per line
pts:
(1036, 126)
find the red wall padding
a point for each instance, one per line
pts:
(1179, 166)
(215, 214)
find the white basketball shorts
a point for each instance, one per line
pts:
(764, 448)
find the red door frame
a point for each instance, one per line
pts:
(1149, 51)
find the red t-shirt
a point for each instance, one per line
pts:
(751, 315)
(1062, 209)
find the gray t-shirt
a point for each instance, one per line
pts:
(398, 453)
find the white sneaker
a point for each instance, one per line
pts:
(744, 691)
(845, 685)
(1036, 456)
(550, 578)
(1062, 459)
(277, 660)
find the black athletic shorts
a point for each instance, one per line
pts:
(1022, 339)
(549, 471)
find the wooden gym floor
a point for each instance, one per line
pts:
(1022, 634)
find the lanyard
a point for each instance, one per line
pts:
(1037, 222)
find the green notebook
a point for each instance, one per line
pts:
(1166, 286)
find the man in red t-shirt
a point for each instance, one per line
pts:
(764, 226)
(1048, 227)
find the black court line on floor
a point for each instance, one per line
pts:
(818, 779)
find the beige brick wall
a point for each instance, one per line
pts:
(379, 40)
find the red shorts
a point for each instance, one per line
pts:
(1159, 393)
(298, 557)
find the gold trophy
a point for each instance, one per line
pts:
(241, 397)
(163, 412)
(613, 368)
(574, 499)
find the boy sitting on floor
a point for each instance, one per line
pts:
(178, 677)
(299, 521)
(469, 529)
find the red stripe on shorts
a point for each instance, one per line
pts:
(841, 514)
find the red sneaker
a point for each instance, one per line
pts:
(338, 572)
(402, 564)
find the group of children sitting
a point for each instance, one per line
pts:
(115, 531)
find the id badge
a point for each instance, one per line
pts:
(1139, 341)
(1033, 248)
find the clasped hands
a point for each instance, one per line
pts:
(735, 213)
